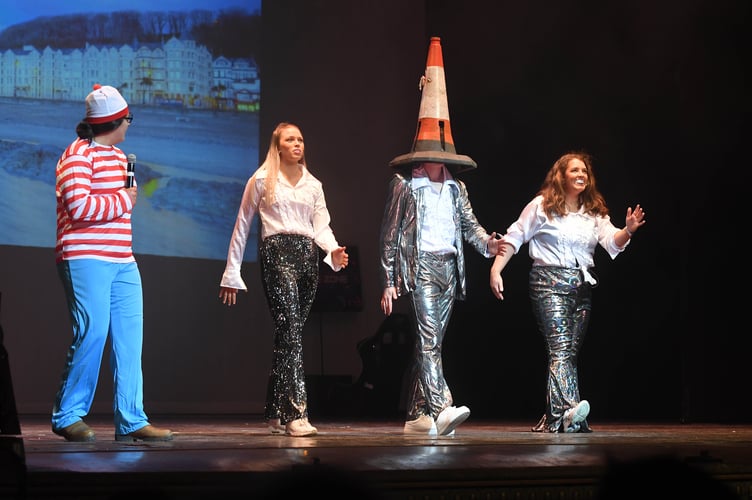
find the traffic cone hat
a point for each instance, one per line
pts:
(433, 139)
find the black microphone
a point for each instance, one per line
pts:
(131, 170)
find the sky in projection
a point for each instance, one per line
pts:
(19, 11)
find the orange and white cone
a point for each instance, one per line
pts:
(433, 138)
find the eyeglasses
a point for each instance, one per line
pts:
(129, 118)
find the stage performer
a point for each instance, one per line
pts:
(294, 225)
(562, 225)
(99, 274)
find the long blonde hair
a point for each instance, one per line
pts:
(271, 163)
(554, 193)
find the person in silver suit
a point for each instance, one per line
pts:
(562, 225)
(427, 218)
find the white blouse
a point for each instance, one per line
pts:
(299, 209)
(567, 241)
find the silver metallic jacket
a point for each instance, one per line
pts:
(400, 234)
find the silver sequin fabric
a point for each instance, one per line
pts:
(290, 273)
(561, 301)
(432, 303)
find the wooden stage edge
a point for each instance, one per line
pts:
(232, 456)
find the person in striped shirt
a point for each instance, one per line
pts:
(99, 274)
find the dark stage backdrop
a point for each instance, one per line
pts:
(656, 92)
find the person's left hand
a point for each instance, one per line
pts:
(340, 258)
(635, 218)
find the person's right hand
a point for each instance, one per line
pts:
(390, 294)
(497, 285)
(132, 193)
(228, 295)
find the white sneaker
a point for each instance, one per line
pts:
(423, 425)
(573, 416)
(450, 418)
(300, 428)
(275, 426)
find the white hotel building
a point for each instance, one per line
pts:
(175, 73)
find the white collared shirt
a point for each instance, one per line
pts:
(437, 232)
(567, 241)
(299, 209)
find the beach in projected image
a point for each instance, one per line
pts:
(191, 168)
(194, 149)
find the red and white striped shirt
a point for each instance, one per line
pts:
(93, 209)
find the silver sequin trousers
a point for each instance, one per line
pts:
(561, 301)
(432, 305)
(290, 272)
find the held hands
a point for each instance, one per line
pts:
(500, 262)
(340, 258)
(495, 245)
(635, 219)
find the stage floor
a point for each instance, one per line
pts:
(236, 457)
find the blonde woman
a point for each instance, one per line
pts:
(294, 222)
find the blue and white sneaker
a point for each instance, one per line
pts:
(573, 416)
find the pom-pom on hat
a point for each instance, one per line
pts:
(105, 104)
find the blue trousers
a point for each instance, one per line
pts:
(104, 300)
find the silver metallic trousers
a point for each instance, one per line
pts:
(290, 271)
(561, 300)
(432, 305)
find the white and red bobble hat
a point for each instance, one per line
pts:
(105, 104)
